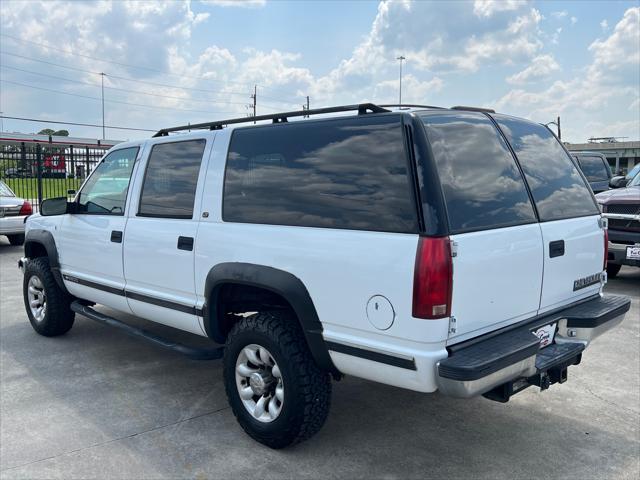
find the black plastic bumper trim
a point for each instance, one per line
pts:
(406, 363)
(484, 355)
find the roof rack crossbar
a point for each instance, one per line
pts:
(408, 105)
(473, 109)
(282, 117)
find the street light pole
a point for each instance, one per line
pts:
(401, 58)
(102, 84)
(557, 124)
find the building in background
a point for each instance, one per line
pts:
(622, 156)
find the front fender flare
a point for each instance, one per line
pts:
(46, 240)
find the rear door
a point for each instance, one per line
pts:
(569, 217)
(497, 271)
(160, 235)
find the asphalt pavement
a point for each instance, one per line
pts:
(97, 404)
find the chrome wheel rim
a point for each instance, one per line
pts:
(37, 299)
(259, 383)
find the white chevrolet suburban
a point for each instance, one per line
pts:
(453, 250)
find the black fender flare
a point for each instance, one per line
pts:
(46, 240)
(283, 283)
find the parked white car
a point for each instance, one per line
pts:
(431, 249)
(13, 213)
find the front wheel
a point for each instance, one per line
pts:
(48, 306)
(276, 391)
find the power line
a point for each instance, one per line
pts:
(111, 101)
(128, 79)
(122, 64)
(139, 92)
(39, 120)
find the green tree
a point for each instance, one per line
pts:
(49, 131)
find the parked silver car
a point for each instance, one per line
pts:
(13, 212)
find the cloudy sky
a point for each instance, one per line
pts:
(169, 63)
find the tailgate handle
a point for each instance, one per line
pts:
(556, 248)
(116, 236)
(185, 243)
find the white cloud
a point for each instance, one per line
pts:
(559, 14)
(604, 25)
(574, 20)
(235, 3)
(612, 76)
(486, 8)
(541, 67)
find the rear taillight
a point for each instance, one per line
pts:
(432, 278)
(26, 209)
(606, 249)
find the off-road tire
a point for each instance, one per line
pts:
(613, 270)
(17, 239)
(58, 318)
(307, 396)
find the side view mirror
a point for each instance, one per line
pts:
(54, 206)
(618, 182)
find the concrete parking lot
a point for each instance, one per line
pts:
(97, 404)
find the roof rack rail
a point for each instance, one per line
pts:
(362, 109)
(408, 105)
(473, 109)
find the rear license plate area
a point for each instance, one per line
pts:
(546, 334)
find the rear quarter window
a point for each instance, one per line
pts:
(556, 185)
(348, 173)
(482, 185)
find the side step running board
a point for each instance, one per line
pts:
(213, 353)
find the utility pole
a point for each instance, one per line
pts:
(402, 59)
(559, 133)
(306, 107)
(255, 91)
(102, 84)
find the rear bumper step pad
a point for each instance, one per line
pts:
(510, 359)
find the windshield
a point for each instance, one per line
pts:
(5, 191)
(636, 180)
(632, 173)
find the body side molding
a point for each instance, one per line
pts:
(285, 284)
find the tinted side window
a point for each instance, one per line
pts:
(557, 187)
(348, 173)
(106, 190)
(593, 168)
(171, 178)
(482, 185)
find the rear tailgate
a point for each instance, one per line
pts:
(573, 240)
(574, 274)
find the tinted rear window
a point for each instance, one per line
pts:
(557, 187)
(593, 168)
(482, 185)
(348, 173)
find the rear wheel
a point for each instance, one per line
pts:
(17, 239)
(276, 391)
(48, 306)
(613, 269)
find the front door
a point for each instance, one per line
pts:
(160, 235)
(89, 241)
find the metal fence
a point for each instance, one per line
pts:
(36, 171)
